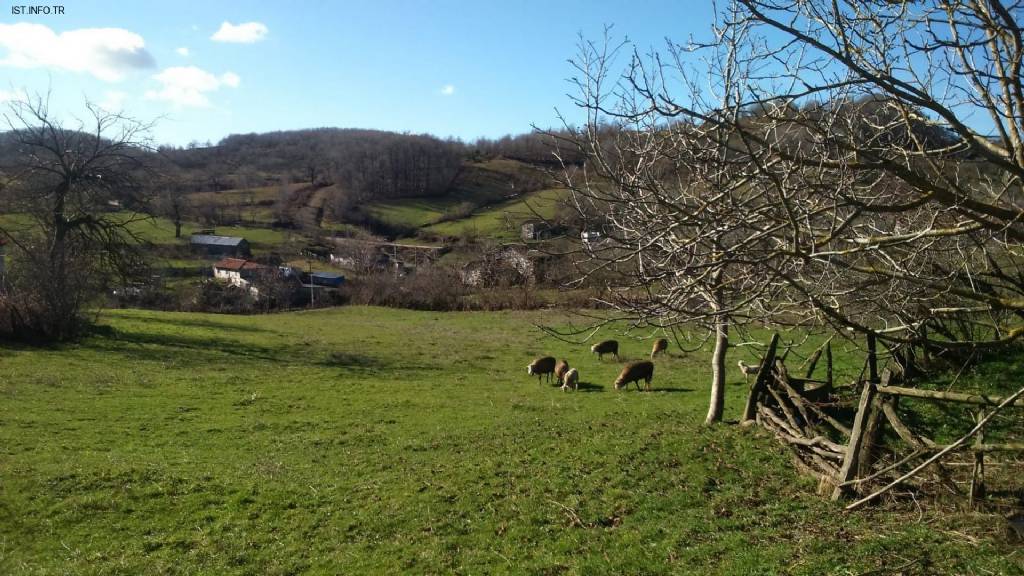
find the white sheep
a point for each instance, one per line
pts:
(747, 369)
(571, 380)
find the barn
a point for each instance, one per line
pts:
(219, 245)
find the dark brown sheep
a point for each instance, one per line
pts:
(560, 369)
(606, 347)
(540, 367)
(660, 345)
(635, 372)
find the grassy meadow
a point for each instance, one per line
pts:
(493, 221)
(377, 441)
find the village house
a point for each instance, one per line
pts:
(219, 245)
(240, 272)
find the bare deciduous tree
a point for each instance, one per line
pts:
(816, 161)
(67, 179)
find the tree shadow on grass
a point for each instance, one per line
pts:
(199, 350)
(353, 362)
(163, 346)
(196, 323)
(671, 390)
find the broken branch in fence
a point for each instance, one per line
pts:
(812, 362)
(767, 363)
(804, 406)
(828, 367)
(963, 439)
(981, 399)
(916, 440)
(856, 439)
(889, 408)
(915, 454)
(872, 434)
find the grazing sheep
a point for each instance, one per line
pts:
(606, 347)
(560, 369)
(747, 369)
(660, 345)
(635, 372)
(571, 380)
(540, 367)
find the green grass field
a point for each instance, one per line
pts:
(377, 441)
(414, 212)
(493, 221)
(160, 231)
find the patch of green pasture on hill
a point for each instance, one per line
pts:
(367, 441)
(160, 231)
(414, 212)
(493, 220)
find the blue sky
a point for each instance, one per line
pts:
(451, 68)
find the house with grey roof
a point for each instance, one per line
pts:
(211, 245)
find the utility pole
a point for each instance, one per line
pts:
(312, 290)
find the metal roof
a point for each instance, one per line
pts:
(209, 240)
(238, 264)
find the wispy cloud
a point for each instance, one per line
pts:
(188, 86)
(448, 90)
(183, 51)
(245, 33)
(106, 53)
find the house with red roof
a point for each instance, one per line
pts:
(240, 272)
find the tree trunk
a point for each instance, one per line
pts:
(718, 371)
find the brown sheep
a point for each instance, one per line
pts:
(660, 345)
(635, 372)
(606, 347)
(560, 369)
(540, 367)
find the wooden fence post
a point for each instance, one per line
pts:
(978, 473)
(828, 367)
(872, 432)
(767, 363)
(872, 359)
(849, 468)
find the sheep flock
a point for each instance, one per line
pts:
(569, 378)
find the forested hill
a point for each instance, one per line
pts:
(367, 163)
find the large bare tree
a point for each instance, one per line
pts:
(857, 163)
(69, 183)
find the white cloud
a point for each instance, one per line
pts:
(230, 79)
(448, 90)
(106, 53)
(113, 101)
(187, 86)
(13, 95)
(245, 33)
(183, 51)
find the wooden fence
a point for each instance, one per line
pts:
(804, 413)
